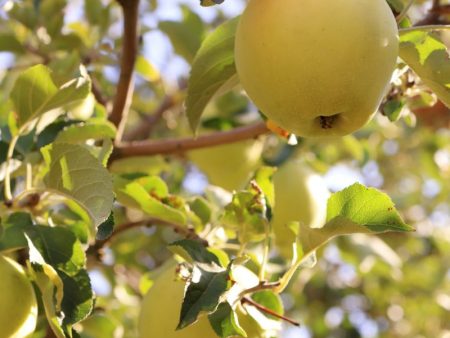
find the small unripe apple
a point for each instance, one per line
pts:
(18, 306)
(300, 196)
(317, 67)
(229, 166)
(161, 306)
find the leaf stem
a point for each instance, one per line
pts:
(426, 27)
(262, 270)
(405, 10)
(9, 155)
(268, 311)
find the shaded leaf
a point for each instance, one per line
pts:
(212, 68)
(77, 302)
(105, 229)
(193, 252)
(80, 133)
(76, 174)
(225, 323)
(135, 195)
(203, 295)
(427, 55)
(35, 93)
(184, 35)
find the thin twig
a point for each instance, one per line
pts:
(122, 100)
(405, 10)
(268, 311)
(184, 231)
(145, 127)
(263, 285)
(170, 146)
(97, 92)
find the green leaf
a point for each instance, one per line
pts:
(263, 178)
(203, 296)
(212, 68)
(59, 247)
(194, 252)
(78, 301)
(393, 108)
(367, 207)
(201, 208)
(14, 227)
(356, 209)
(76, 174)
(246, 215)
(146, 69)
(427, 55)
(225, 323)
(35, 93)
(10, 43)
(80, 133)
(50, 286)
(135, 195)
(105, 229)
(186, 35)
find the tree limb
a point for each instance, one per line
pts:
(170, 146)
(122, 100)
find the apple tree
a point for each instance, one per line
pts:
(218, 168)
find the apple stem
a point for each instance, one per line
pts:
(268, 311)
(263, 285)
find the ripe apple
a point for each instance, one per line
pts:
(161, 307)
(18, 306)
(300, 196)
(231, 165)
(317, 68)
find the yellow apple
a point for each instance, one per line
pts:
(317, 67)
(229, 166)
(300, 196)
(18, 306)
(160, 309)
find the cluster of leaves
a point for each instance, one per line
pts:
(63, 195)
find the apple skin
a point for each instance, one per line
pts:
(160, 309)
(18, 306)
(300, 196)
(231, 165)
(317, 68)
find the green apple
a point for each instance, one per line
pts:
(229, 166)
(317, 67)
(300, 196)
(18, 306)
(160, 309)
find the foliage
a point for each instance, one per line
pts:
(91, 207)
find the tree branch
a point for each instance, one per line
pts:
(122, 100)
(169, 146)
(147, 124)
